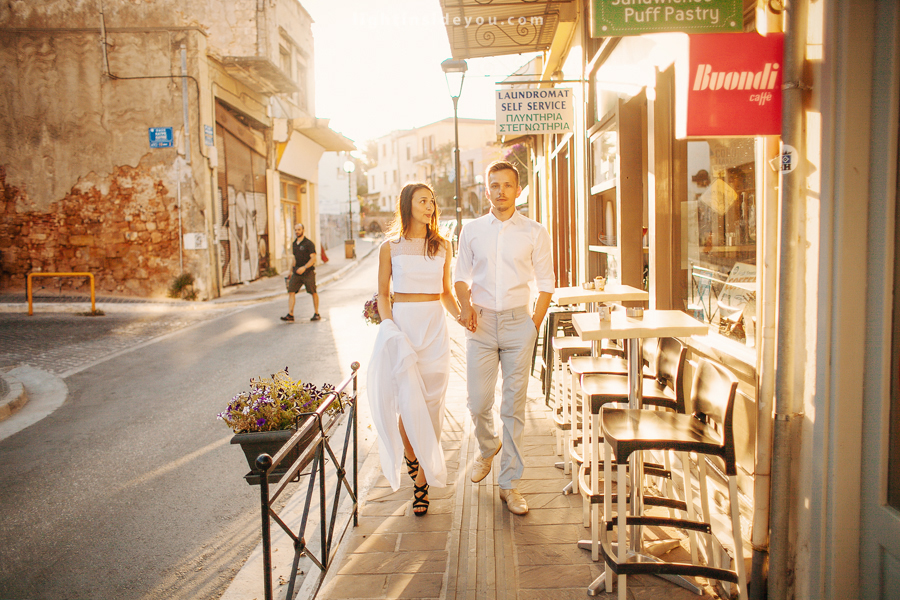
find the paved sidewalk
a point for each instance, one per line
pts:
(46, 299)
(469, 545)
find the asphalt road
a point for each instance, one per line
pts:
(131, 490)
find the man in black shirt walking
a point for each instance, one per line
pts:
(303, 274)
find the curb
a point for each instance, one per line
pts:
(14, 397)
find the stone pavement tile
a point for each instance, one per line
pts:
(562, 593)
(554, 500)
(384, 493)
(537, 486)
(354, 586)
(542, 576)
(377, 542)
(542, 460)
(386, 508)
(419, 585)
(549, 473)
(433, 561)
(415, 542)
(547, 534)
(544, 449)
(566, 553)
(554, 516)
(369, 525)
(648, 587)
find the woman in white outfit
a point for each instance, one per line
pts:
(410, 364)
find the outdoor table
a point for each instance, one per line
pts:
(653, 324)
(612, 293)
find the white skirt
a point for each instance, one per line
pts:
(407, 379)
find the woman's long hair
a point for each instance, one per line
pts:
(403, 219)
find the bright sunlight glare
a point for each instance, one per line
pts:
(378, 67)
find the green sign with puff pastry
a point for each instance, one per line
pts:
(635, 17)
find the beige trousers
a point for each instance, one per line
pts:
(505, 339)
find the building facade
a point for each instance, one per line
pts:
(785, 243)
(166, 138)
(426, 154)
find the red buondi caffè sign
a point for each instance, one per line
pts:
(733, 86)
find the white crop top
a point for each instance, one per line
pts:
(413, 271)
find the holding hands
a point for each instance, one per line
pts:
(468, 318)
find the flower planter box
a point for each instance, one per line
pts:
(270, 442)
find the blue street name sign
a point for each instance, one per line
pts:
(208, 135)
(161, 137)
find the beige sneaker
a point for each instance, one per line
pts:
(514, 501)
(482, 465)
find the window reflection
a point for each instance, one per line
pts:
(720, 249)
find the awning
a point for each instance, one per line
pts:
(494, 27)
(318, 131)
(260, 74)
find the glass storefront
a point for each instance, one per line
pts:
(719, 236)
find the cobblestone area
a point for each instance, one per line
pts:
(61, 342)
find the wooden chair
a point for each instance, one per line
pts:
(708, 431)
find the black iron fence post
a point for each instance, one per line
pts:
(264, 463)
(313, 454)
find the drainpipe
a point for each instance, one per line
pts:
(767, 255)
(790, 305)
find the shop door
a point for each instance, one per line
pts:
(243, 246)
(880, 536)
(564, 242)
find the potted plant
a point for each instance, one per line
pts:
(266, 416)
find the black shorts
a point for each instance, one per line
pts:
(308, 279)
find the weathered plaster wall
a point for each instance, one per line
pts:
(123, 228)
(71, 136)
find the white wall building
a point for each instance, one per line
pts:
(409, 155)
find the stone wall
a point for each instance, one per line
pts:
(124, 230)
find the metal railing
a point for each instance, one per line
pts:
(313, 455)
(40, 274)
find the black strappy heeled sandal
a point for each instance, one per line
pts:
(412, 467)
(420, 500)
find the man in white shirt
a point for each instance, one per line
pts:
(500, 255)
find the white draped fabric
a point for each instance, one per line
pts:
(407, 378)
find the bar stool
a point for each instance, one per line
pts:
(708, 431)
(664, 390)
(565, 348)
(559, 319)
(610, 362)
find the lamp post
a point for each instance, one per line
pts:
(455, 73)
(349, 243)
(349, 167)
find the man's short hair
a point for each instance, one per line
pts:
(501, 165)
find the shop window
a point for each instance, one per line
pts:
(291, 193)
(719, 248)
(301, 83)
(285, 56)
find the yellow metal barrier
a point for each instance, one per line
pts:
(88, 275)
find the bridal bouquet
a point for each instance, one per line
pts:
(370, 311)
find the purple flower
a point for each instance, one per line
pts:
(260, 421)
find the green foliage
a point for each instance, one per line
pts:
(183, 287)
(270, 272)
(276, 402)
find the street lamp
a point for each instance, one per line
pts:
(349, 167)
(455, 73)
